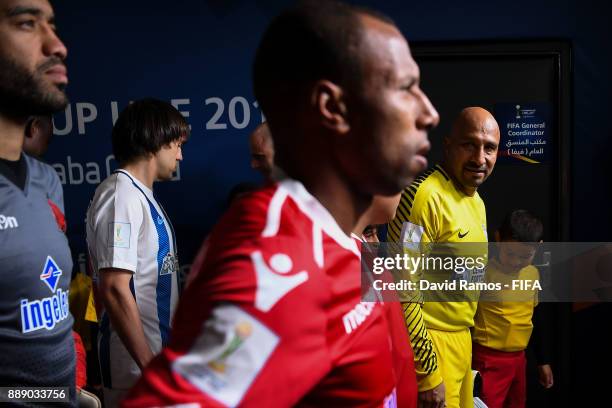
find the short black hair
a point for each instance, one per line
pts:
(144, 127)
(521, 226)
(311, 41)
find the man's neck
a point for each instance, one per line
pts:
(143, 170)
(345, 206)
(331, 190)
(12, 132)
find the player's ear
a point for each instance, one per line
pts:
(329, 103)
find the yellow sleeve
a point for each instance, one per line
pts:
(415, 221)
(425, 358)
(415, 224)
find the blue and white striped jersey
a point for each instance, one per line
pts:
(128, 229)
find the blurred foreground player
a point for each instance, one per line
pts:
(132, 244)
(36, 345)
(273, 317)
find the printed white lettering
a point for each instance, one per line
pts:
(357, 316)
(82, 118)
(44, 313)
(7, 222)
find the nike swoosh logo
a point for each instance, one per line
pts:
(463, 235)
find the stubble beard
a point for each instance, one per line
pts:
(23, 93)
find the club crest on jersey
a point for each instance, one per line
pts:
(51, 274)
(170, 264)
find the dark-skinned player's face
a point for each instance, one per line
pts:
(32, 72)
(391, 114)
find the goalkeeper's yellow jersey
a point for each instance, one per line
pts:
(432, 209)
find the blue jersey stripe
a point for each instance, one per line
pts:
(164, 282)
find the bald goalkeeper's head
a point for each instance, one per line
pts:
(470, 151)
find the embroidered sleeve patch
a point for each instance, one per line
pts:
(411, 235)
(119, 234)
(231, 350)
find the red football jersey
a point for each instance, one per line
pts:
(274, 317)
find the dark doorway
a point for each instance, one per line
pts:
(496, 75)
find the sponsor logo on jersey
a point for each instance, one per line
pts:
(170, 264)
(51, 274)
(273, 281)
(353, 319)
(473, 275)
(60, 219)
(119, 234)
(45, 312)
(7, 222)
(462, 235)
(49, 311)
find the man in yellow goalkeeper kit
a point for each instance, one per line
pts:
(443, 206)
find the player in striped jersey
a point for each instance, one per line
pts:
(132, 243)
(443, 206)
